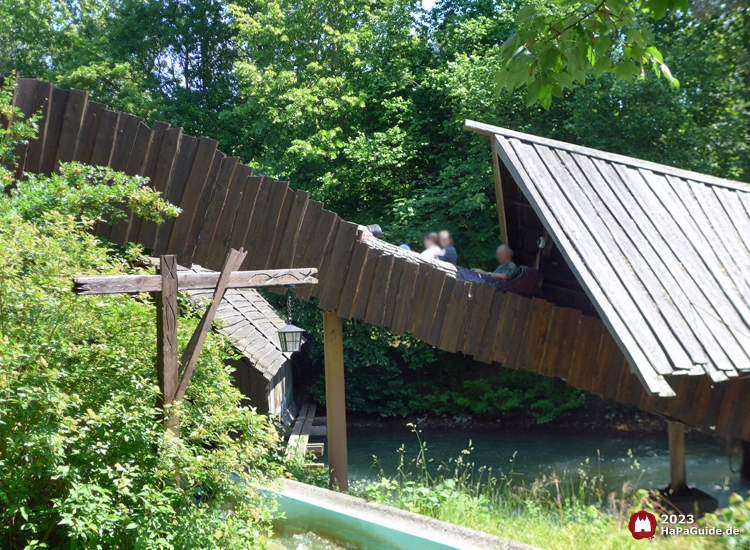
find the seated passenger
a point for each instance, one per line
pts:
(448, 253)
(507, 269)
(431, 248)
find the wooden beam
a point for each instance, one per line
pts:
(133, 284)
(193, 350)
(499, 193)
(333, 343)
(677, 475)
(167, 366)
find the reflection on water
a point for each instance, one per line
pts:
(541, 452)
(289, 539)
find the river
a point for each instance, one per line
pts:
(642, 460)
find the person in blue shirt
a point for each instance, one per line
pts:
(507, 269)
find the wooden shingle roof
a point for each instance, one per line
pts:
(251, 324)
(663, 253)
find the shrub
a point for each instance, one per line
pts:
(86, 459)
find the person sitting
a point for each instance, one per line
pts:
(448, 251)
(507, 269)
(431, 247)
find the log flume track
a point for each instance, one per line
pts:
(225, 205)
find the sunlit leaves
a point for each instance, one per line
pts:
(558, 45)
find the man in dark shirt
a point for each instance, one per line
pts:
(507, 269)
(449, 254)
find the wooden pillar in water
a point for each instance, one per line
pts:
(677, 474)
(333, 342)
(745, 460)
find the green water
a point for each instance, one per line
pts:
(541, 452)
(303, 540)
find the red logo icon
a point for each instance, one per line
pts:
(642, 525)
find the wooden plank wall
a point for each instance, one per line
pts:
(225, 205)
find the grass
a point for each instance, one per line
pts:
(568, 512)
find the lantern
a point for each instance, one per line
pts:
(290, 338)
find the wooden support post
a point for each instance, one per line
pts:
(745, 460)
(677, 476)
(335, 401)
(499, 193)
(167, 365)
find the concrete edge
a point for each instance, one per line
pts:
(394, 518)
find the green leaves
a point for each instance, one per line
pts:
(564, 43)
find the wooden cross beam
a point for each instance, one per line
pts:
(174, 374)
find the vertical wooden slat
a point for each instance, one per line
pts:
(471, 302)
(572, 322)
(511, 332)
(325, 259)
(218, 211)
(105, 139)
(433, 338)
(529, 336)
(36, 146)
(266, 232)
(393, 289)
(24, 100)
(554, 341)
(54, 129)
(454, 316)
(181, 170)
(351, 282)
(586, 347)
(607, 350)
(256, 216)
(196, 185)
(404, 298)
(149, 168)
(243, 218)
(127, 130)
(285, 256)
(71, 126)
(218, 238)
(139, 152)
(626, 383)
(317, 248)
(480, 316)
(379, 291)
(121, 229)
(520, 323)
(92, 119)
(162, 171)
(286, 208)
(186, 251)
(426, 314)
(545, 327)
(359, 304)
(498, 327)
(420, 284)
(312, 213)
(346, 236)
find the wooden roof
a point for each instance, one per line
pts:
(663, 253)
(251, 324)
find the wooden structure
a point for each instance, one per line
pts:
(578, 332)
(264, 372)
(306, 427)
(174, 373)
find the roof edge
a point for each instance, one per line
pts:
(490, 130)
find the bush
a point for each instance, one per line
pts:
(90, 463)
